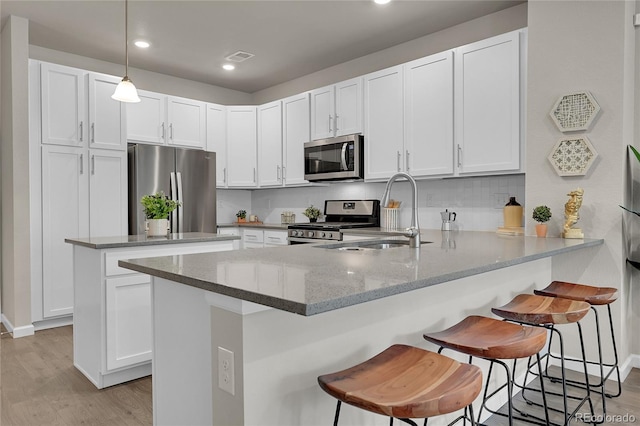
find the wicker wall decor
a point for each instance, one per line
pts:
(572, 156)
(574, 111)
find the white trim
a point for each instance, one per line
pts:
(16, 332)
(53, 322)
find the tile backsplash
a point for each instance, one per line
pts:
(478, 201)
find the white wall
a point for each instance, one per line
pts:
(584, 45)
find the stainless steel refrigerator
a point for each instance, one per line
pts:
(185, 175)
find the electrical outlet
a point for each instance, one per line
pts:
(226, 378)
(428, 198)
(500, 200)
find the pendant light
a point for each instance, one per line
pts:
(126, 91)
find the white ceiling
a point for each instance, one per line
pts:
(191, 38)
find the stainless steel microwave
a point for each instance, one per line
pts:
(334, 158)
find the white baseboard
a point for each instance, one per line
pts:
(632, 361)
(53, 322)
(17, 332)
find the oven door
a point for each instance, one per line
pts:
(336, 158)
(298, 240)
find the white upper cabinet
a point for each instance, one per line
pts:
(296, 131)
(270, 144)
(217, 140)
(107, 193)
(241, 147)
(146, 119)
(487, 104)
(187, 122)
(383, 121)
(106, 115)
(336, 110)
(63, 105)
(428, 115)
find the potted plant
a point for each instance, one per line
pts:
(242, 215)
(313, 213)
(541, 214)
(157, 208)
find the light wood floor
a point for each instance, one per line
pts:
(40, 386)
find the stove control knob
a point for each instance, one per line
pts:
(329, 235)
(322, 234)
(311, 233)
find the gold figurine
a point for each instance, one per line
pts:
(571, 214)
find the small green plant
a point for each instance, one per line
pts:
(541, 214)
(158, 205)
(311, 212)
(242, 214)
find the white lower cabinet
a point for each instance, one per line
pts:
(258, 238)
(128, 320)
(231, 231)
(112, 335)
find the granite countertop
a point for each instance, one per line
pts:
(279, 226)
(143, 240)
(308, 279)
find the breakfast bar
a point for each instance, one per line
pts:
(240, 338)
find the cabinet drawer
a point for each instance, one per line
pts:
(275, 237)
(252, 235)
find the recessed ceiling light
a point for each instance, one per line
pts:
(141, 43)
(229, 67)
(381, 1)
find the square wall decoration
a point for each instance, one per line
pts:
(572, 156)
(574, 111)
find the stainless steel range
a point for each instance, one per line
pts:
(339, 214)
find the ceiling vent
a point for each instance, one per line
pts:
(239, 56)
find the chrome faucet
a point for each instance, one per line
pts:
(413, 231)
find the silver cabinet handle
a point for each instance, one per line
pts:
(81, 164)
(93, 164)
(278, 173)
(224, 175)
(330, 118)
(284, 172)
(93, 132)
(407, 160)
(335, 122)
(254, 175)
(459, 156)
(398, 159)
(171, 131)
(163, 130)
(81, 131)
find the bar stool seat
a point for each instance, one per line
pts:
(405, 382)
(585, 293)
(495, 340)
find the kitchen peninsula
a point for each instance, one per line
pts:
(112, 305)
(290, 314)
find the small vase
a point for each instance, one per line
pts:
(242, 219)
(541, 230)
(314, 219)
(157, 227)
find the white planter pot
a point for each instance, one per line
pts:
(157, 227)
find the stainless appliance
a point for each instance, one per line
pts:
(447, 218)
(185, 175)
(335, 158)
(339, 214)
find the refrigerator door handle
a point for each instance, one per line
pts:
(174, 196)
(180, 200)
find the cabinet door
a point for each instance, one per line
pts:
(270, 144)
(348, 114)
(428, 97)
(145, 119)
(322, 111)
(107, 193)
(63, 105)
(296, 131)
(187, 122)
(65, 200)
(383, 123)
(217, 140)
(128, 320)
(106, 129)
(241, 145)
(488, 104)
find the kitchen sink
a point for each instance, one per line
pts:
(368, 245)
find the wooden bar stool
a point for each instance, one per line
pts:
(594, 296)
(405, 382)
(495, 340)
(548, 312)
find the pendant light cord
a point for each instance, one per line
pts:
(126, 37)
